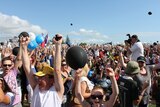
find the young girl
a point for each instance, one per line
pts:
(85, 85)
(97, 94)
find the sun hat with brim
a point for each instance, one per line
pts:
(132, 68)
(46, 70)
(141, 59)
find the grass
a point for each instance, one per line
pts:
(25, 104)
(151, 105)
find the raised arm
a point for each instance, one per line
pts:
(26, 61)
(57, 67)
(122, 60)
(115, 90)
(18, 60)
(78, 91)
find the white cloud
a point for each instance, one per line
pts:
(12, 26)
(91, 36)
(87, 36)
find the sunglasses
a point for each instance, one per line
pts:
(97, 96)
(5, 65)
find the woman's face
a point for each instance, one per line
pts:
(64, 66)
(97, 97)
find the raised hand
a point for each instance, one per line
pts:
(57, 39)
(6, 52)
(110, 72)
(78, 73)
(24, 41)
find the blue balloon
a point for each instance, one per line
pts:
(90, 73)
(32, 45)
(39, 39)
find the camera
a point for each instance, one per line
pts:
(129, 36)
(128, 41)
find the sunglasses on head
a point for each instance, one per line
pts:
(5, 65)
(63, 64)
(97, 96)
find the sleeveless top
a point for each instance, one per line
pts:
(49, 98)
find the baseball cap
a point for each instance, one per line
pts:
(141, 59)
(46, 70)
(132, 68)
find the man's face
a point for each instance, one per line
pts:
(45, 82)
(6, 65)
(133, 40)
(141, 63)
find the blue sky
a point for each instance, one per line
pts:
(94, 21)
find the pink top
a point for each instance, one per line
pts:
(10, 78)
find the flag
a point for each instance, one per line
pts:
(68, 41)
(45, 41)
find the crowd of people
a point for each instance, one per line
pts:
(118, 75)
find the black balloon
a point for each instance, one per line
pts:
(71, 24)
(150, 13)
(2, 43)
(76, 57)
(15, 51)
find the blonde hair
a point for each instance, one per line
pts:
(85, 70)
(41, 65)
(98, 87)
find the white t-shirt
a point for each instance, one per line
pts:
(49, 98)
(96, 53)
(11, 96)
(89, 84)
(137, 50)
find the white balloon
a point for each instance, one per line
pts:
(32, 35)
